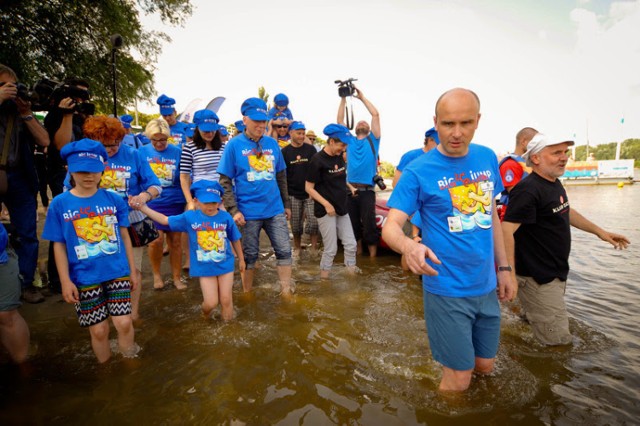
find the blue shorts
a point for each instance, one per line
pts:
(170, 210)
(462, 328)
(277, 230)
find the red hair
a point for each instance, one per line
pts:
(103, 129)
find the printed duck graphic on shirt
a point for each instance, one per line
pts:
(471, 196)
(211, 242)
(260, 165)
(116, 179)
(96, 231)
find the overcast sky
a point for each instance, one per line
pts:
(565, 67)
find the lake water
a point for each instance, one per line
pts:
(350, 351)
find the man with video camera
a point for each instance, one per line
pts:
(69, 107)
(19, 132)
(362, 169)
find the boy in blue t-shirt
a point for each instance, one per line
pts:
(88, 228)
(211, 234)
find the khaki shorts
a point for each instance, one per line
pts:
(544, 308)
(137, 257)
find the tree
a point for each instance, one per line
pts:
(59, 39)
(262, 94)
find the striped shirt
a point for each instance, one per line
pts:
(200, 163)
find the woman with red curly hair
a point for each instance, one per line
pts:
(127, 175)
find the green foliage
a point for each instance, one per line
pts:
(630, 149)
(386, 169)
(262, 94)
(143, 119)
(320, 142)
(59, 39)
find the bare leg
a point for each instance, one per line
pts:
(314, 242)
(135, 297)
(126, 333)
(455, 380)
(100, 341)
(14, 335)
(297, 245)
(284, 275)
(185, 250)
(225, 295)
(175, 258)
(247, 279)
(373, 250)
(209, 288)
(155, 258)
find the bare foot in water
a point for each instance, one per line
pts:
(158, 284)
(179, 284)
(324, 274)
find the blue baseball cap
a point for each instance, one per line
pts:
(223, 130)
(433, 134)
(85, 155)
(239, 125)
(126, 121)
(206, 120)
(255, 109)
(189, 130)
(207, 191)
(338, 132)
(281, 99)
(167, 105)
(297, 125)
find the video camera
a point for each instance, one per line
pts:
(47, 94)
(345, 88)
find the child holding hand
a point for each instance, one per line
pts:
(211, 233)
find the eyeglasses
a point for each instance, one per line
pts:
(280, 126)
(113, 145)
(160, 140)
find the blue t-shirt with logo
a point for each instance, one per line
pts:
(253, 167)
(409, 157)
(276, 113)
(126, 173)
(361, 161)
(178, 134)
(90, 227)
(454, 197)
(166, 166)
(209, 241)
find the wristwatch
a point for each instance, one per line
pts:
(505, 268)
(27, 117)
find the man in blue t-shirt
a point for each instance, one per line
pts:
(169, 114)
(430, 141)
(362, 166)
(452, 188)
(259, 200)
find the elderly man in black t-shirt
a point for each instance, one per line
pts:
(297, 156)
(537, 234)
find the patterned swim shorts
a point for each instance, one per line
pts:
(98, 301)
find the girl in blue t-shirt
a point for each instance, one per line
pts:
(212, 232)
(93, 253)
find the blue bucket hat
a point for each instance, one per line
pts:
(207, 191)
(206, 120)
(223, 130)
(255, 109)
(189, 130)
(239, 125)
(338, 132)
(297, 125)
(167, 105)
(281, 99)
(85, 155)
(126, 121)
(433, 134)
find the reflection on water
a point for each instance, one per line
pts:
(348, 351)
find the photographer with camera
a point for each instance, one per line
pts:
(19, 132)
(362, 161)
(69, 107)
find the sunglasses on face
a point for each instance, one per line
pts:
(280, 126)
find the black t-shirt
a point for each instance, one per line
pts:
(329, 174)
(543, 240)
(52, 123)
(297, 160)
